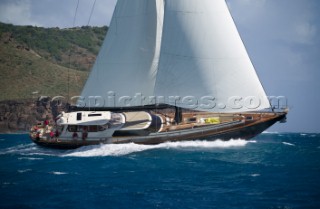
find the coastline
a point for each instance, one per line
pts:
(18, 116)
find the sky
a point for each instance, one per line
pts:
(282, 38)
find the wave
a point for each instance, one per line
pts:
(19, 149)
(58, 173)
(29, 158)
(24, 171)
(287, 143)
(125, 149)
(28, 150)
(270, 132)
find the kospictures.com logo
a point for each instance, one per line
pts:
(190, 102)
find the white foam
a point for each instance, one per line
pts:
(287, 143)
(270, 132)
(29, 150)
(58, 173)
(29, 158)
(22, 148)
(206, 144)
(125, 149)
(303, 134)
(24, 171)
(109, 150)
(255, 175)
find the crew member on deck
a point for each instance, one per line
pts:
(57, 133)
(84, 132)
(75, 135)
(46, 122)
(51, 134)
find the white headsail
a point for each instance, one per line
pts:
(188, 49)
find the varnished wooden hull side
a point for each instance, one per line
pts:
(243, 131)
(246, 130)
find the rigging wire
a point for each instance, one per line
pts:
(94, 3)
(75, 14)
(91, 13)
(73, 25)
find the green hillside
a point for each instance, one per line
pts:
(38, 61)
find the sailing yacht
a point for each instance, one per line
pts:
(168, 70)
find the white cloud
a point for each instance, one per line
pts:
(305, 32)
(17, 12)
(56, 13)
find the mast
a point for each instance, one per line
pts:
(178, 115)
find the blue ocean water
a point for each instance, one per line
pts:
(274, 170)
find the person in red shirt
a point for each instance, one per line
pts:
(51, 134)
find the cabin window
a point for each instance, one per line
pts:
(249, 118)
(94, 115)
(103, 128)
(84, 128)
(191, 120)
(73, 128)
(93, 128)
(79, 116)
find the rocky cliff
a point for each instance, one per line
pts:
(21, 115)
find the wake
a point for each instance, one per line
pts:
(29, 150)
(34, 152)
(126, 149)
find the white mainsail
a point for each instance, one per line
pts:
(188, 49)
(128, 60)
